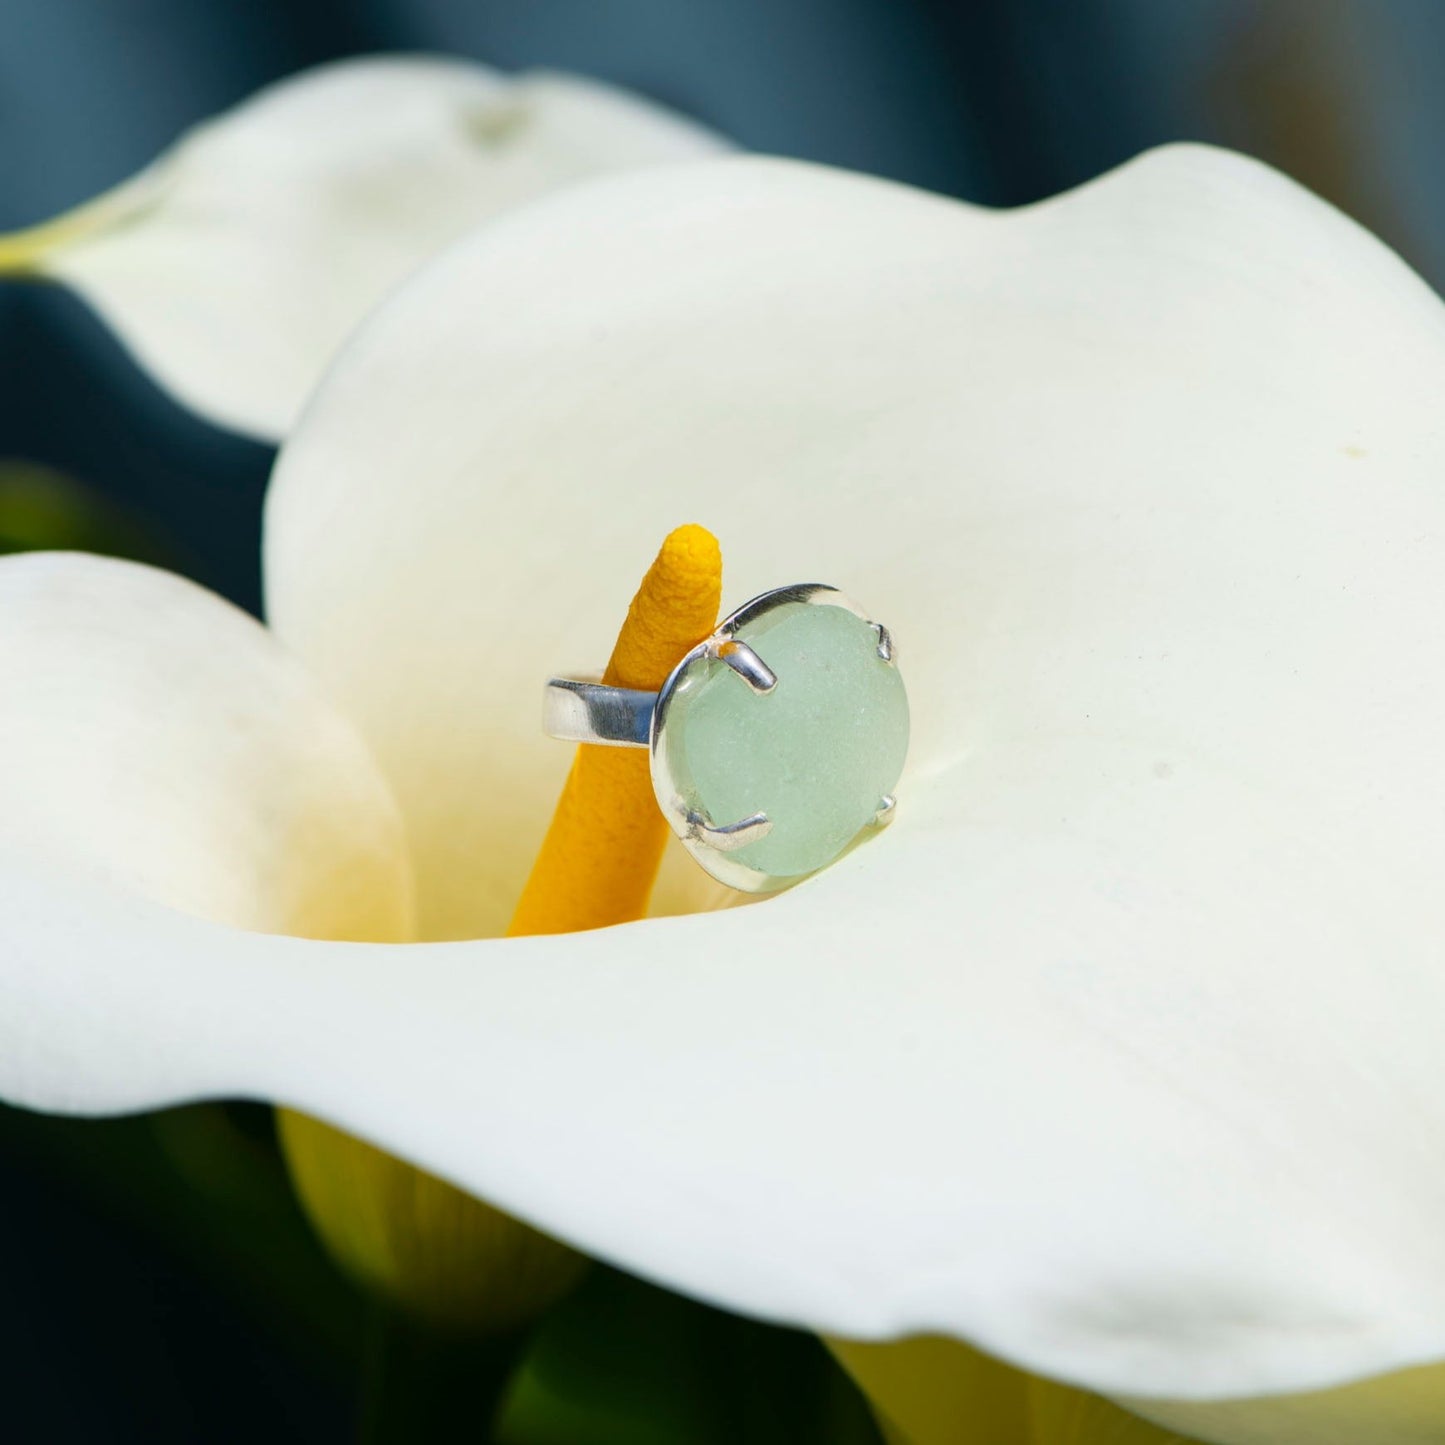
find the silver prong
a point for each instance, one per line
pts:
(885, 641)
(730, 836)
(747, 664)
(887, 807)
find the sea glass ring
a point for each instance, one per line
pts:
(776, 743)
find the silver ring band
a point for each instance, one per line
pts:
(583, 710)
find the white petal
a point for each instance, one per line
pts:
(238, 264)
(1118, 1054)
(157, 739)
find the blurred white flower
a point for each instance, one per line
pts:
(235, 266)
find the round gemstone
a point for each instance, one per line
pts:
(818, 753)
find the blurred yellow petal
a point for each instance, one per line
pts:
(430, 1249)
(935, 1391)
(1059, 1415)
(931, 1391)
(1403, 1408)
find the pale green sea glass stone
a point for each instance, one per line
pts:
(818, 753)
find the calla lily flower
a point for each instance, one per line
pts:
(236, 265)
(1116, 1057)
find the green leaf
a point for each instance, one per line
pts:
(207, 1182)
(45, 510)
(623, 1363)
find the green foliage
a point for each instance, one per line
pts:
(618, 1362)
(44, 510)
(623, 1363)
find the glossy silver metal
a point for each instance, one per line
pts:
(732, 836)
(747, 664)
(887, 807)
(584, 710)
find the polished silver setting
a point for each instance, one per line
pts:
(887, 807)
(701, 829)
(585, 710)
(746, 663)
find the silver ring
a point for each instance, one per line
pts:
(765, 775)
(584, 710)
